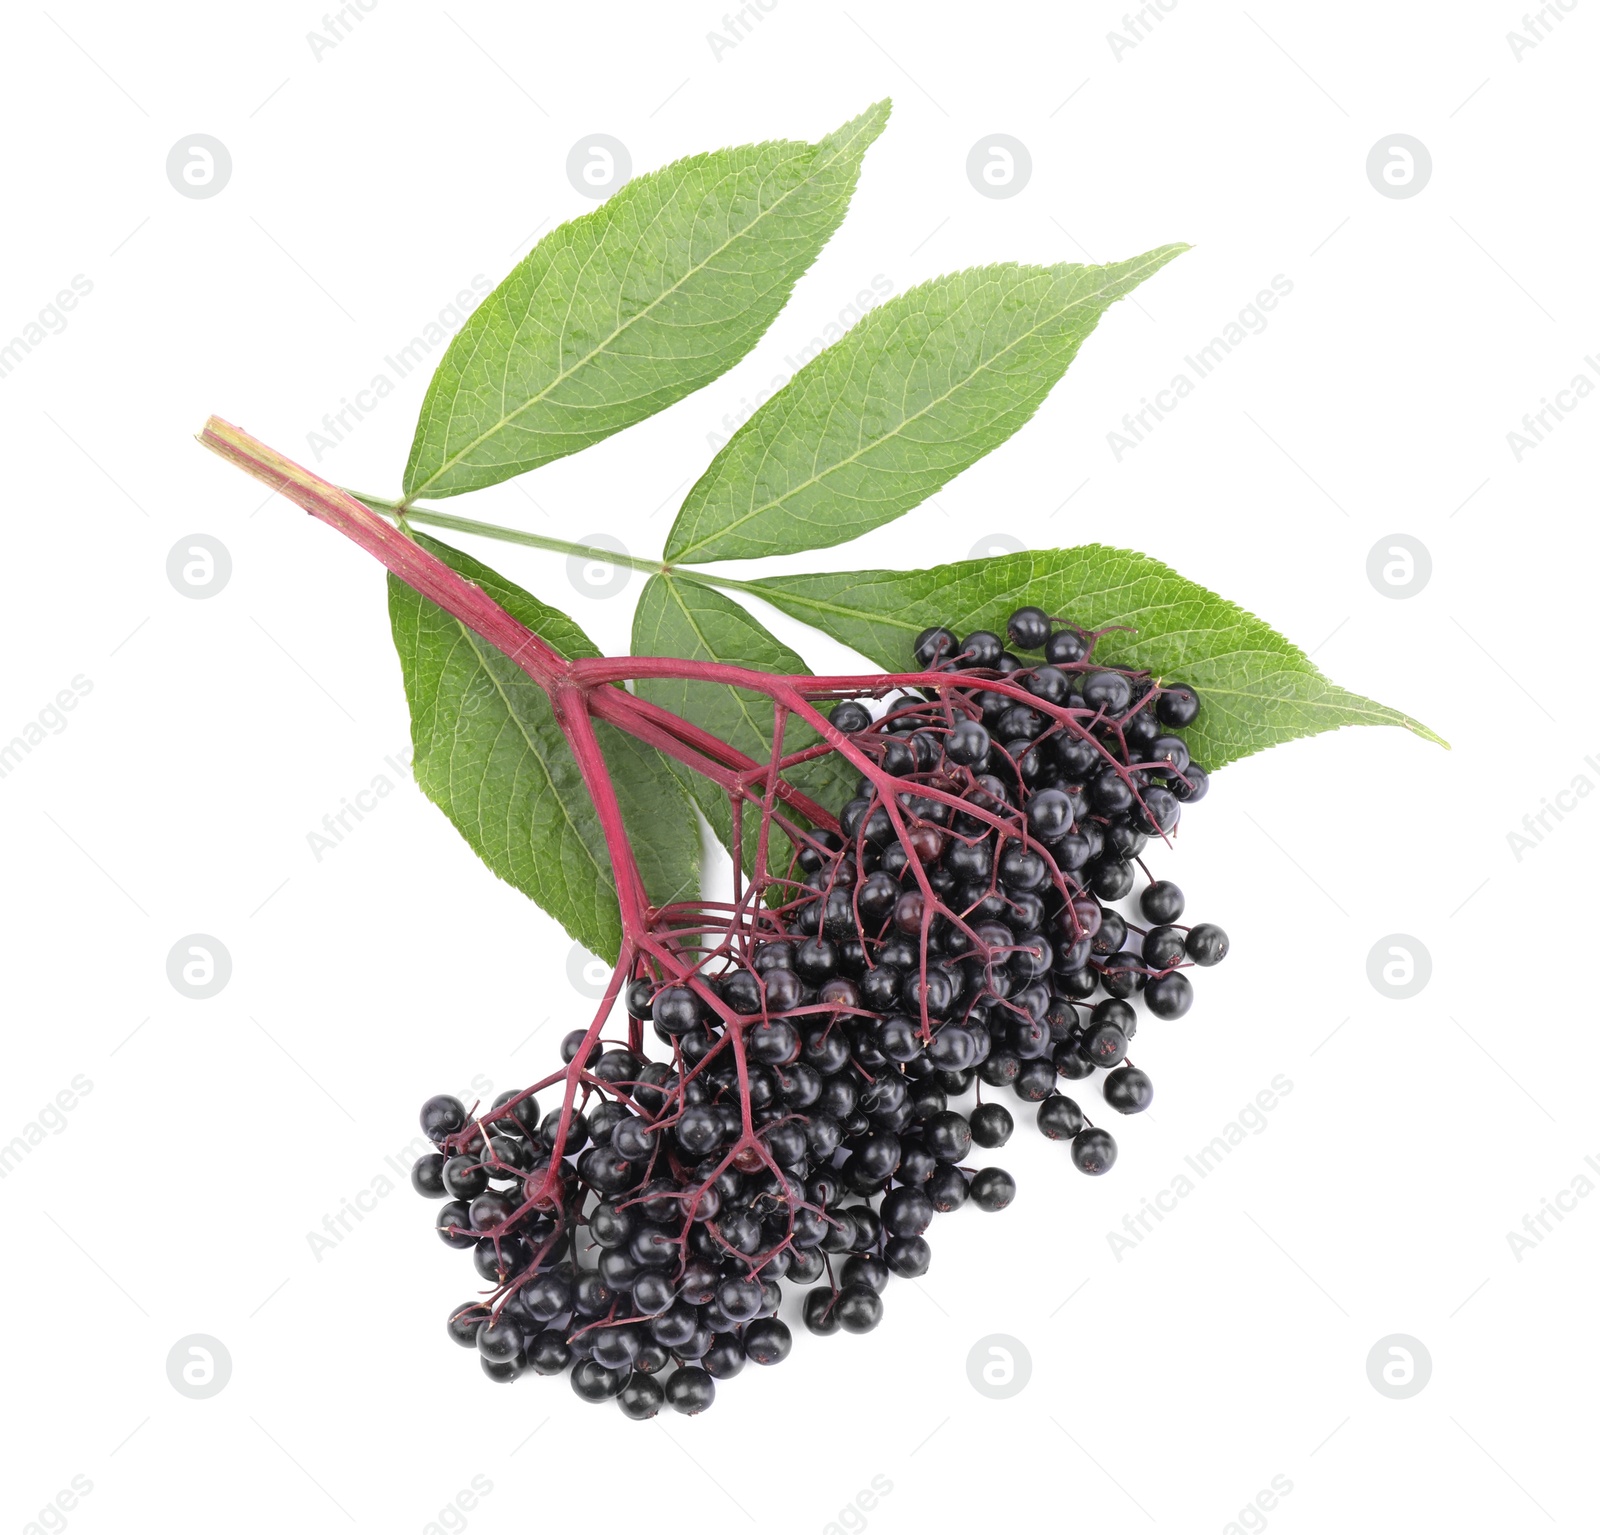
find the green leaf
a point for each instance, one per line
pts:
(917, 391)
(490, 754)
(694, 623)
(1256, 689)
(618, 314)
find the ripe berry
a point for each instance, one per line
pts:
(850, 716)
(1065, 647)
(690, 1390)
(859, 1308)
(820, 1314)
(981, 648)
(1128, 1090)
(906, 1256)
(1059, 1118)
(767, 1341)
(991, 1125)
(1110, 692)
(465, 1322)
(1177, 705)
(1093, 1151)
(993, 1188)
(1169, 996)
(427, 1176)
(932, 646)
(1028, 628)
(1161, 901)
(1208, 944)
(641, 1397)
(442, 1116)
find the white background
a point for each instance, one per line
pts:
(1230, 1345)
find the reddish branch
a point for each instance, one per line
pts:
(688, 944)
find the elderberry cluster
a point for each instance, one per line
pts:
(958, 932)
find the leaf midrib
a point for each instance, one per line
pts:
(728, 527)
(596, 351)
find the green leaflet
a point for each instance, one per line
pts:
(618, 314)
(917, 391)
(491, 756)
(694, 623)
(1256, 688)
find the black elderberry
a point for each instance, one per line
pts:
(1028, 628)
(690, 1390)
(933, 646)
(1207, 944)
(859, 1308)
(991, 1126)
(1065, 647)
(981, 649)
(993, 1188)
(767, 1341)
(641, 1397)
(442, 1116)
(1163, 946)
(1093, 1151)
(1161, 901)
(1109, 692)
(850, 716)
(465, 1321)
(427, 1176)
(1059, 1118)
(908, 1257)
(1128, 1090)
(1177, 705)
(1169, 996)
